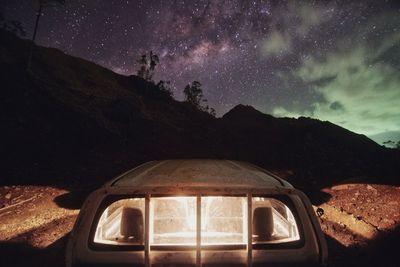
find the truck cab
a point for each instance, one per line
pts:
(197, 213)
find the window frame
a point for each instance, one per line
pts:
(108, 200)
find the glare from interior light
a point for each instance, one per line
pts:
(224, 220)
(173, 221)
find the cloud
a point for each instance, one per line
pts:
(277, 43)
(310, 16)
(293, 22)
(360, 92)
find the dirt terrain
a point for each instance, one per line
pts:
(33, 226)
(360, 222)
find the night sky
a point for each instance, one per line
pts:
(331, 60)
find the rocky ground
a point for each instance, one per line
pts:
(33, 225)
(361, 223)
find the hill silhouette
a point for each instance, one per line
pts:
(67, 112)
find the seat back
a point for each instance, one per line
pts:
(131, 227)
(263, 223)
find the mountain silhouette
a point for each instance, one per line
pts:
(65, 112)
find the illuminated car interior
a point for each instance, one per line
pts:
(173, 221)
(122, 223)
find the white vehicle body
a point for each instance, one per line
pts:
(197, 213)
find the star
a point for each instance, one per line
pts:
(289, 58)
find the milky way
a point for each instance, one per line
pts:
(332, 60)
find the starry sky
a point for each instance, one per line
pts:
(330, 60)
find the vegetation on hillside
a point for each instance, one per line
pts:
(194, 95)
(193, 91)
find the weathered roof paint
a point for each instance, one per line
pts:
(198, 173)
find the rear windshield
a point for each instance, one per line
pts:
(173, 221)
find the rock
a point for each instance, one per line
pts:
(340, 187)
(8, 196)
(389, 221)
(320, 212)
(369, 187)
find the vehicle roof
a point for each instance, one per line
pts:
(198, 173)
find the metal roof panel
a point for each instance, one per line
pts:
(199, 173)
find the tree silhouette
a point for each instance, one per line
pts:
(389, 143)
(42, 3)
(165, 86)
(393, 144)
(194, 95)
(147, 66)
(213, 112)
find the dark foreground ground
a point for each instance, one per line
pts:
(361, 222)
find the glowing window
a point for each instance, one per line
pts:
(173, 221)
(122, 223)
(223, 220)
(273, 222)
